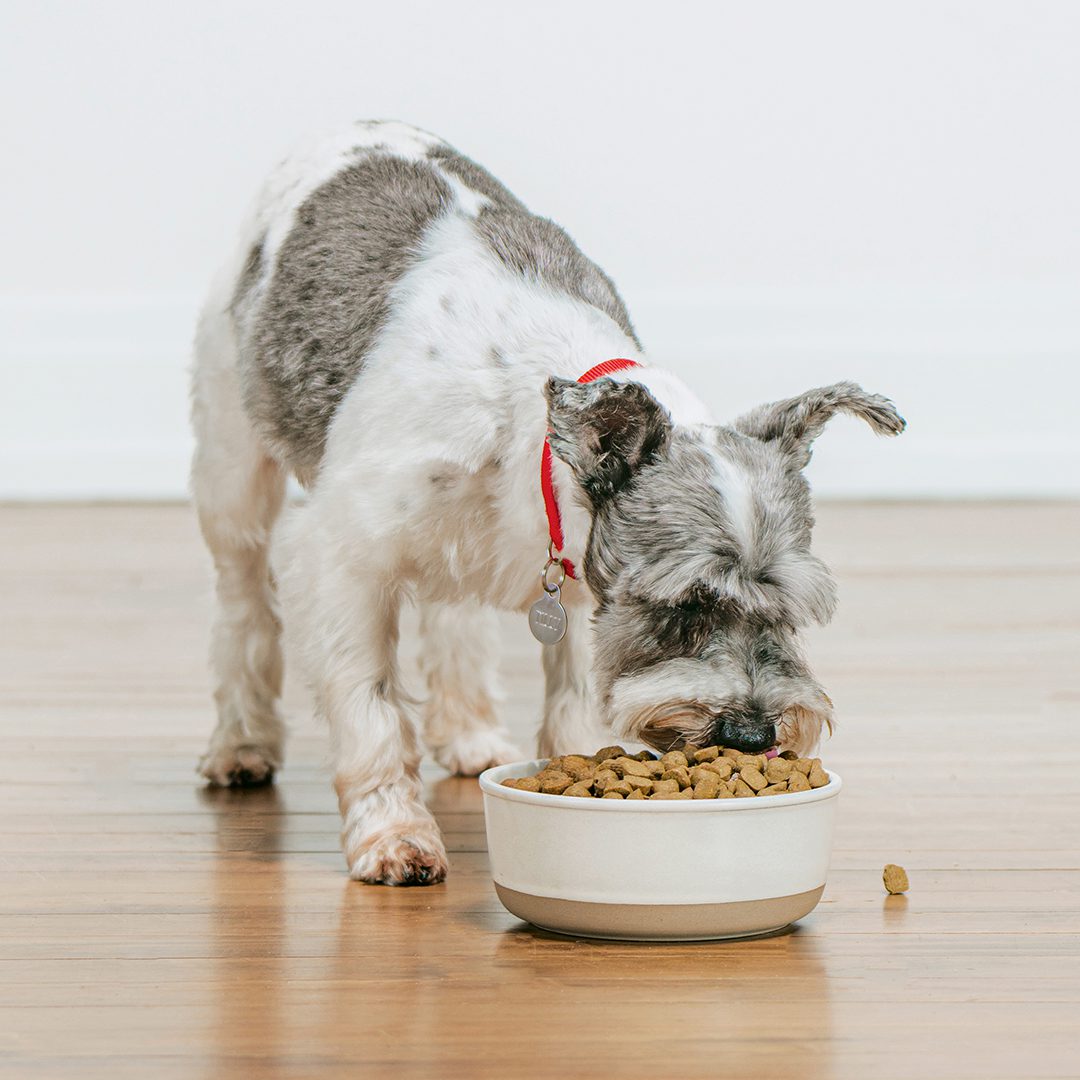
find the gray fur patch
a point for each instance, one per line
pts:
(354, 237)
(794, 423)
(475, 177)
(534, 246)
(539, 250)
(605, 431)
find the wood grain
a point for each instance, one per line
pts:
(149, 927)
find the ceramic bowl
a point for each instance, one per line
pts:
(657, 871)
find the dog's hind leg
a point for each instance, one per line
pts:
(459, 659)
(238, 490)
(570, 724)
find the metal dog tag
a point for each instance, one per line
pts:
(547, 617)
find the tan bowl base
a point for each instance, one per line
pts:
(659, 922)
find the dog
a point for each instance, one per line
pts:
(401, 335)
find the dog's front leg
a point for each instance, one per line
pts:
(571, 722)
(350, 636)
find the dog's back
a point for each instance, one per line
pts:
(334, 233)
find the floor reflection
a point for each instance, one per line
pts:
(247, 922)
(701, 996)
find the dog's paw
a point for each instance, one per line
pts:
(471, 752)
(239, 766)
(403, 855)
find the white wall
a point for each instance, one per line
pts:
(787, 193)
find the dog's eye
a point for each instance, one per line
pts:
(686, 624)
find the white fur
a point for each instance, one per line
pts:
(376, 529)
(734, 485)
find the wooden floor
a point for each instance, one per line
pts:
(151, 928)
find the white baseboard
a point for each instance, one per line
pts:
(94, 400)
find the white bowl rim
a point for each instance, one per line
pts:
(490, 784)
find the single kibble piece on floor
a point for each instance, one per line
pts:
(695, 772)
(895, 878)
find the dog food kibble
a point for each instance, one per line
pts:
(695, 772)
(797, 782)
(582, 789)
(751, 775)
(554, 782)
(895, 878)
(777, 770)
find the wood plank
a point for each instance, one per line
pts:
(151, 928)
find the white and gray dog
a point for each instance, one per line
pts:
(400, 333)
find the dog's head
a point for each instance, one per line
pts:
(699, 558)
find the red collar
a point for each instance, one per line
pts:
(547, 487)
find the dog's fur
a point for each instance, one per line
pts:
(388, 332)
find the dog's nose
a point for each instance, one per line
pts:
(751, 736)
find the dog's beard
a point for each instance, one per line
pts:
(801, 725)
(653, 706)
(641, 711)
(671, 725)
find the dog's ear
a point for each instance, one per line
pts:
(793, 424)
(604, 430)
